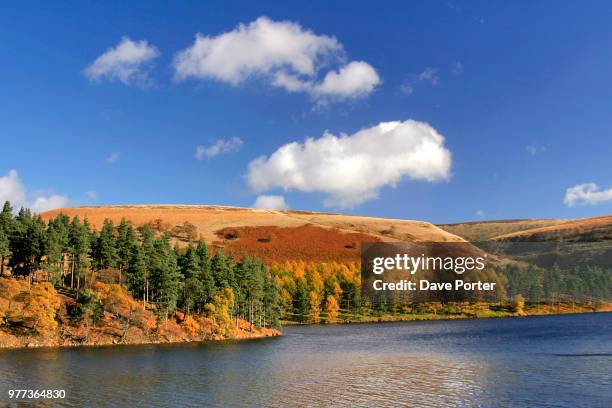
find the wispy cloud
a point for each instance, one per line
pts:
(534, 149)
(587, 193)
(113, 157)
(219, 146)
(457, 68)
(427, 76)
(127, 62)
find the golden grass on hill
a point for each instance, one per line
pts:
(331, 230)
(584, 228)
(485, 230)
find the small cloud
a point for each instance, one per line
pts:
(270, 202)
(588, 193)
(128, 62)
(407, 88)
(480, 214)
(533, 149)
(91, 195)
(113, 158)
(428, 75)
(220, 146)
(12, 189)
(42, 204)
(457, 68)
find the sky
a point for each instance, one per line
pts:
(439, 111)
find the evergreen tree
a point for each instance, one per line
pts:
(166, 278)
(5, 250)
(301, 301)
(105, 253)
(126, 240)
(137, 273)
(79, 237)
(27, 243)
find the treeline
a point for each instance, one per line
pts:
(555, 285)
(69, 253)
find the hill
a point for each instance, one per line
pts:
(269, 234)
(584, 229)
(485, 230)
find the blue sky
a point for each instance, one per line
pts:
(519, 91)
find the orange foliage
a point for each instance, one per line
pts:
(40, 308)
(277, 244)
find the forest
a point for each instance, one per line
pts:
(67, 256)
(137, 274)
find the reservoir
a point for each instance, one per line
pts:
(561, 361)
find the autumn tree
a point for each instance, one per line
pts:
(332, 309)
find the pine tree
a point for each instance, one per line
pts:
(301, 301)
(105, 252)
(79, 237)
(166, 278)
(27, 243)
(137, 273)
(5, 250)
(126, 240)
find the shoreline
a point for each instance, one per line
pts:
(58, 344)
(31, 342)
(415, 318)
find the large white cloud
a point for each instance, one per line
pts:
(282, 52)
(588, 193)
(351, 169)
(13, 190)
(270, 202)
(127, 62)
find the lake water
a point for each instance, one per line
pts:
(561, 361)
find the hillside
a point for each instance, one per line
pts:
(271, 235)
(485, 230)
(584, 229)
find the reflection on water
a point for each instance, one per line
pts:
(545, 361)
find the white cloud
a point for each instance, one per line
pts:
(128, 62)
(480, 213)
(218, 147)
(42, 204)
(13, 190)
(270, 202)
(113, 157)
(282, 52)
(588, 193)
(352, 80)
(351, 169)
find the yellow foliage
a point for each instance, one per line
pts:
(191, 325)
(40, 308)
(219, 310)
(315, 307)
(332, 308)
